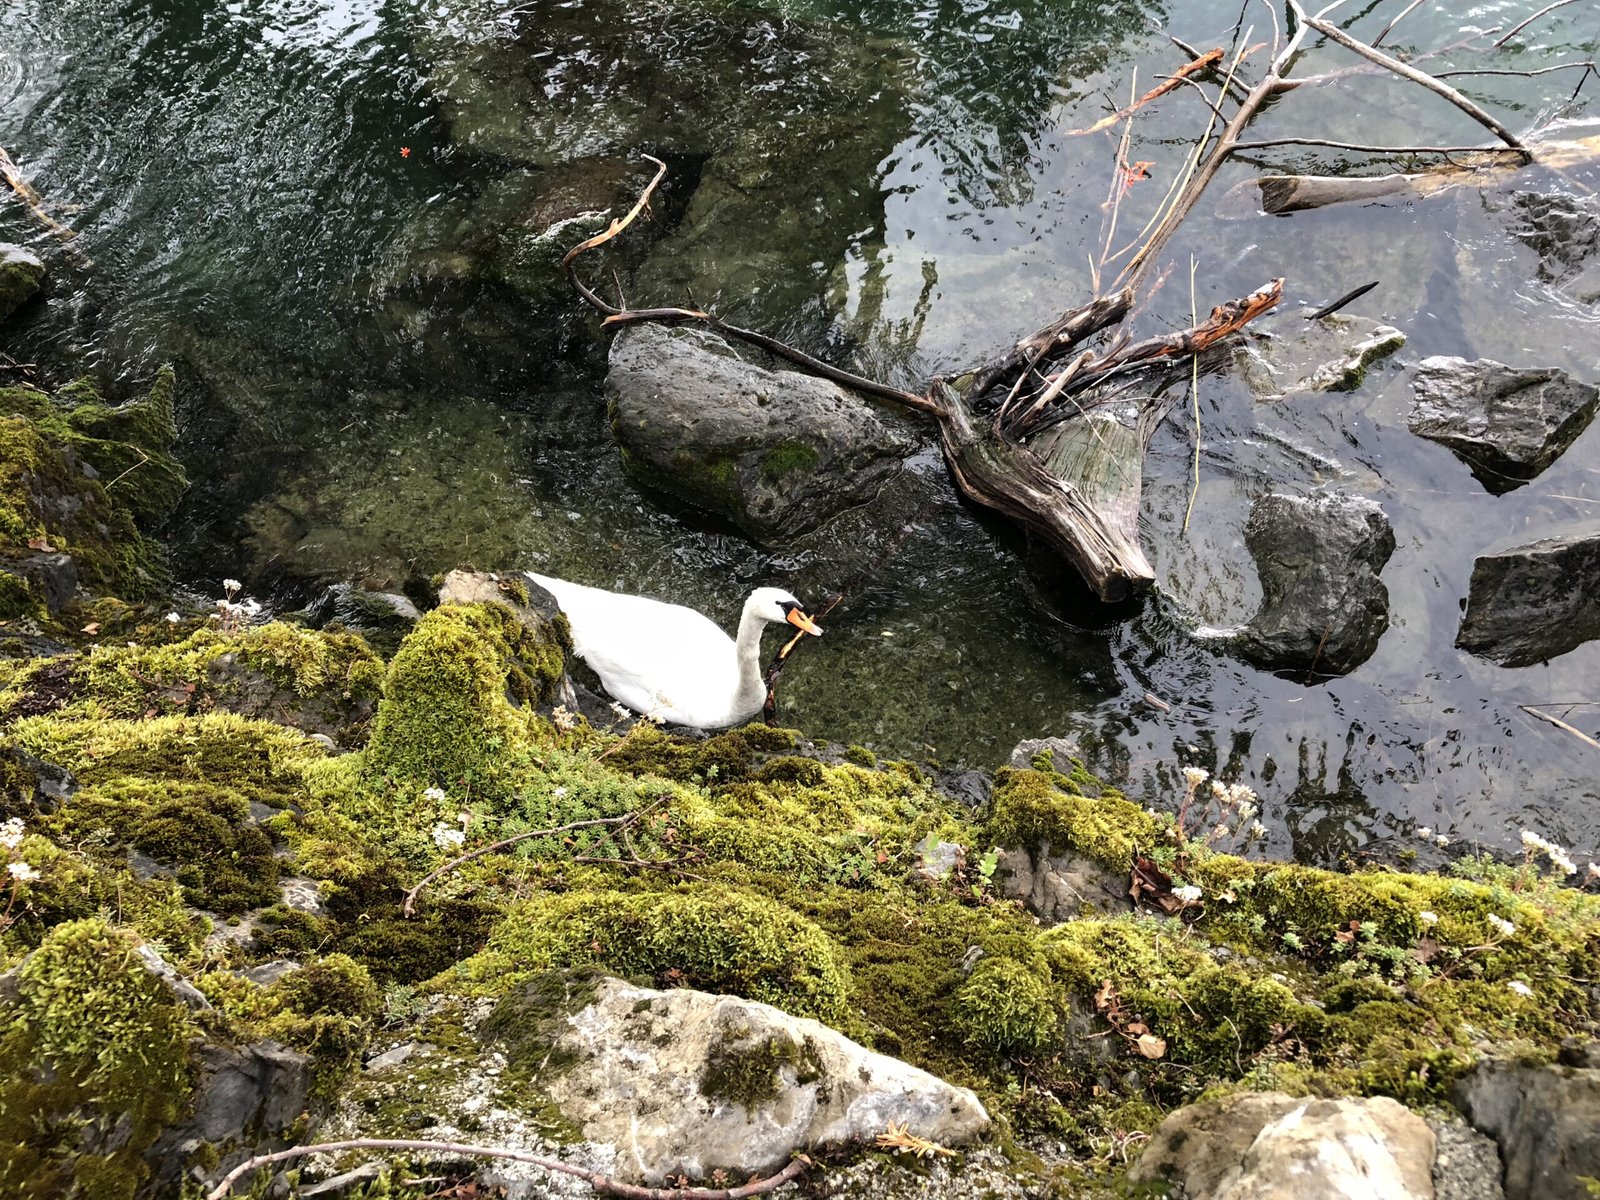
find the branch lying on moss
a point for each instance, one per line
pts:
(622, 819)
(601, 1183)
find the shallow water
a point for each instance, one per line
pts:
(893, 185)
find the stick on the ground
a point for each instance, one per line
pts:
(604, 1184)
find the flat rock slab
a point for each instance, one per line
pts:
(687, 1083)
(1547, 1122)
(1506, 423)
(1324, 607)
(1268, 1146)
(1531, 603)
(1327, 355)
(776, 452)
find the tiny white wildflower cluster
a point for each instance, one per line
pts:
(1237, 807)
(1188, 893)
(11, 835)
(1520, 988)
(1533, 843)
(1428, 918)
(563, 719)
(448, 837)
(1428, 835)
(231, 611)
(435, 794)
(1500, 925)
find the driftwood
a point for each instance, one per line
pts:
(1052, 431)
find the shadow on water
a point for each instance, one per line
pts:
(344, 218)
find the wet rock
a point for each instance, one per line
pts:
(683, 1082)
(1565, 232)
(383, 618)
(21, 272)
(1506, 423)
(53, 578)
(1060, 886)
(1268, 1146)
(301, 894)
(774, 451)
(1060, 750)
(44, 784)
(1546, 1121)
(1324, 607)
(1327, 355)
(1531, 603)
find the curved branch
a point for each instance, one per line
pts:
(601, 1183)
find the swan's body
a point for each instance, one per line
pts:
(668, 662)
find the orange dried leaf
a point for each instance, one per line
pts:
(1149, 1045)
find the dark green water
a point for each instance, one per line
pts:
(383, 376)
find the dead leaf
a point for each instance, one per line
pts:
(1136, 1028)
(39, 543)
(1105, 996)
(1149, 1045)
(92, 628)
(1426, 950)
(1151, 885)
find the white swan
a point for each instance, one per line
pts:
(669, 662)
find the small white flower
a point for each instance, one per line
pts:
(447, 836)
(173, 618)
(1532, 841)
(1441, 840)
(1188, 893)
(622, 713)
(1195, 776)
(22, 872)
(1520, 988)
(1424, 832)
(251, 608)
(1428, 918)
(558, 792)
(1247, 810)
(1594, 870)
(1502, 926)
(231, 586)
(1220, 791)
(1560, 859)
(11, 833)
(561, 717)
(1257, 829)
(435, 794)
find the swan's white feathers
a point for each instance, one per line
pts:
(667, 661)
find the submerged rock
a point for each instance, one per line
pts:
(1506, 423)
(1565, 232)
(776, 452)
(1324, 607)
(687, 1083)
(1547, 1122)
(1530, 603)
(20, 274)
(1327, 355)
(1268, 1146)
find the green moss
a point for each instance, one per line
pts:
(91, 1041)
(751, 1073)
(1007, 1007)
(1050, 811)
(786, 458)
(455, 707)
(711, 939)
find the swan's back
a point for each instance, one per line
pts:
(655, 657)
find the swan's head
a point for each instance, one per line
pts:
(777, 605)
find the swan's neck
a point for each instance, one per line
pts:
(747, 655)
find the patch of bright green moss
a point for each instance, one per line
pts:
(714, 940)
(91, 1041)
(1048, 810)
(1007, 1008)
(786, 458)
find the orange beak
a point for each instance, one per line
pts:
(802, 622)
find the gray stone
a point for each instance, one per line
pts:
(1506, 423)
(1268, 1146)
(53, 578)
(936, 860)
(270, 972)
(776, 452)
(1466, 1164)
(1323, 608)
(383, 618)
(168, 974)
(538, 613)
(1061, 751)
(1327, 355)
(1531, 603)
(1546, 1121)
(339, 1185)
(21, 272)
(301, 894)
(1061, 886)
(395, 1056)
(645, 1072)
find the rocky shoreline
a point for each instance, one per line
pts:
(728, 950)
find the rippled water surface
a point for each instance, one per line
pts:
(332, 214)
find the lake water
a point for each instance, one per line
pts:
(314, 206)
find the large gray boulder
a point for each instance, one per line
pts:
(1546, 1120)
(21, 272)
(1268, 1146)
(776, 452)
(688, 1083)
(1530, 603)
(1323, 607)
(1506, 423)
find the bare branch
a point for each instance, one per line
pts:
(1389, 28)
(1549, 8)
(1263, 143)
(1201, 62)
(604, 1184)
(1421, 78)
